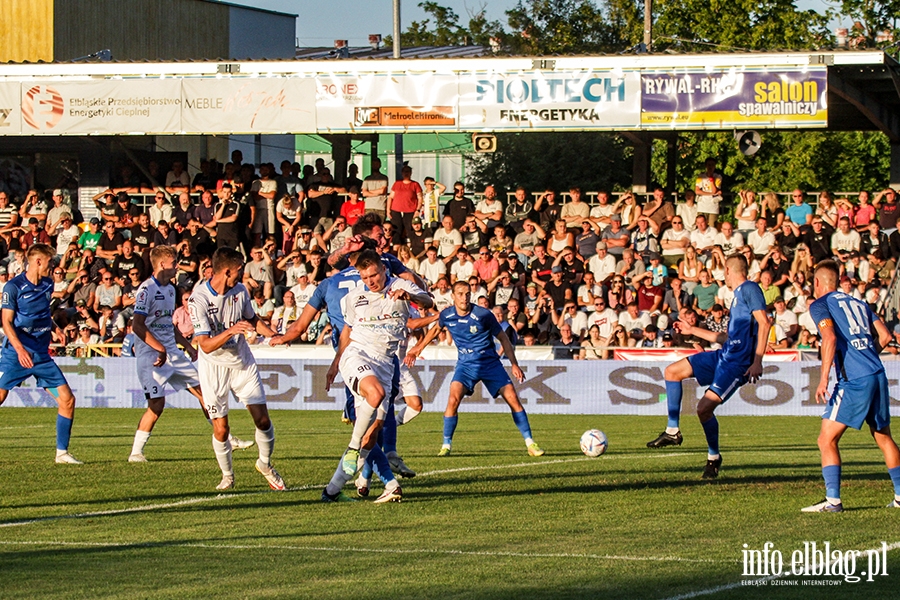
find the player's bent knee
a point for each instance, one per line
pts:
(414, 402)
(678, 371)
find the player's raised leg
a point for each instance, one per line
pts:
(674, 375)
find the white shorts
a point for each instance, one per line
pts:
(357, 364)
(408, 385)
(217, 383)
(178, 371)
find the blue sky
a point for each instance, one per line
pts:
(321, 23)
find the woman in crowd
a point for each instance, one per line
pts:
(865, 212)
(560, 239)
(629, 210)
(827, 210)
(592, 348)
(405, 255)
(746, 212)
(689, 269)
(772, 212)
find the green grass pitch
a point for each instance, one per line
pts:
(487, 522)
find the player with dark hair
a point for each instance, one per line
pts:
(27, 323)
(222, 316)
(474, 329)
(159, 361)
(724, 370)
(861, 394)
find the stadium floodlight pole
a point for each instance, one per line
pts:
(398, 137)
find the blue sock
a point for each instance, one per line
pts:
(711, 429)
(380, 464)
(63, 432)
(521, 421)
(389, 432)
(449, 428)
(832, 476)
(895, 479)
(673, 402)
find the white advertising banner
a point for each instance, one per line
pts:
(572, 100)
(551, 387)
(377, 102)
(105, 106)
(245, 105)
(10, 108)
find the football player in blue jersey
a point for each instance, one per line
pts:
(861, 393)
(27, 323)
(474, 329)
(724, 370)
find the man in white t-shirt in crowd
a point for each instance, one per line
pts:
(448, 240)
(760, 240)
(67, 233)
(262, 192)
(674, 240)
(432, 268)
(490, 209)
(602, 211)
(703, 238)
(845, 240)
(463, 268)
(787, 319)
(222, 317)
(634, 321)
(602, 264)
(728, 238)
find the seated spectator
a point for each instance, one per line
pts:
(500, 242)
(778, 264)
(676, 298)
(184, 210)
(177, 178)
(406, 258)
(35, 234)
(717, 321)
(575, 211)
(431, 269)
(689, 269)
(490, 210)
(705, 293)
(799, 212)
(567, 346)
(302, 290)
(285, 315)
(633, 321)
(679, 339)
(560, 238)
(90, 238)
(530, 236)
(258, 273)
(161, 210)
(770, 291)
(474, 234)
(845, 240)
(108, 293)
(519, 210)
(778, 339)
(651, 338)
(419, 239)
(588, 291)
(181, 318)
(586, 241)
(68, 233)
(786, 319)
(574, 318)
(126, 212)
(443, 294)
(126, 261)
(674, 242)
(142, 234)
(448, 240)
(818, 241)
(688, 211)
(262, 306)
(502, 290)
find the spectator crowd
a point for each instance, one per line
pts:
(585, 278)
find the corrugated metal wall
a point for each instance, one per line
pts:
(139, 29)
(26, 30)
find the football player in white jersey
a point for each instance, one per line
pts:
(159, 361)
(375, 314)
(222, 316)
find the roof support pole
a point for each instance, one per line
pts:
(895, 165)
(672, 164)
(640, 178)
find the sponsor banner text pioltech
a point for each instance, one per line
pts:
(551, 387)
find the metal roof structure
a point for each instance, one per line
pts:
(361, 52)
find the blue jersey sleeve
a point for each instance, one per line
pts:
(818, 310)
(442, 318)
(317, 301)
(753, 298)
(393, 263)
(11, 296)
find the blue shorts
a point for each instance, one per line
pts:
(491, 372)
(46, 372)
(723, 378)
(861, 400)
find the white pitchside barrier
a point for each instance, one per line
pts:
(551, 387)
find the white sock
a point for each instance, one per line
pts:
(528, 441)
(672, 430)
(897, 497)
(140, 440)
(265, 441)
(61, 452)
(713, 456)
(445, 446)
(338, 480)
(365, 416)
(404, 414)
(223, 455)
(833, 501)
(391, 485)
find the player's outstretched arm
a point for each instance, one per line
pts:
(342, 345)
(413, 324)
(762, 339)
(261, 327)
(297, 327)
(413, 353)
(827, 350)
(139, 326)
(510, 352)
(211, 344)
(9, 329)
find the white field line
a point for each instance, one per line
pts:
(418, 551)
(737, 584)
(217, 497)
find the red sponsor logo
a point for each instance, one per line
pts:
(42, 107)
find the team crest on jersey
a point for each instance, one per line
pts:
(473, 328)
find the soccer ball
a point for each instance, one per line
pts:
(593, 443)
